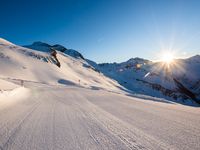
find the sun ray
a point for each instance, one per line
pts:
(167, 57)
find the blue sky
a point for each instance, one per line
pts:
(106, 30)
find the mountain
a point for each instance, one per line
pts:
(20, 63)
(50, 100)
(44, 47)
(55, 64)
(180, 82)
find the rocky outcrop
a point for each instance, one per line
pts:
(54, 53)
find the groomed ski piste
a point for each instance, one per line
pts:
(43, 106)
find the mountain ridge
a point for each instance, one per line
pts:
(140, 76)
(41, 46)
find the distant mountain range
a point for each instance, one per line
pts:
(180, 82)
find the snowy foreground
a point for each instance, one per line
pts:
(71, 117)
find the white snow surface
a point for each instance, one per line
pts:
(5, 85)
(13, 95)
(68, 117)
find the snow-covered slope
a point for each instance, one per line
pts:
(11, 93)
(56, 64)
(5, 42)
(74, 118)
(17, 62)
(44, 114)
(180, 82)
(5, 85)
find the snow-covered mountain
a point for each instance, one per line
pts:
(179, 82)
(56, 64)
(40, 46)
(65, 103)
(50, 67)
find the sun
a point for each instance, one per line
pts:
(167, 57)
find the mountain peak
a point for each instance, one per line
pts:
(39, 43)
(195, 58)
(137, 60)
(41, 46)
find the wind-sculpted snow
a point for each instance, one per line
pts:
(74, 118)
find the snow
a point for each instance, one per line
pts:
(10, 92)
(44, 47)
(31, 65)
(142, 76)
(69, 117)
(76, 107)
(152, 78)
(5, 85)
(15, 94)
(5, 42)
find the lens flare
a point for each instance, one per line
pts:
(167, 57)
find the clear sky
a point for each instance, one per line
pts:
(105, 30)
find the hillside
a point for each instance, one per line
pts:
(179, 82)
(55, 64)
(50, 100)
(41, 66)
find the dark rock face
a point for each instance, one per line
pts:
(163, 90)
(186, 91)
(54, 53)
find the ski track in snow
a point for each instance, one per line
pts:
(74, 118)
